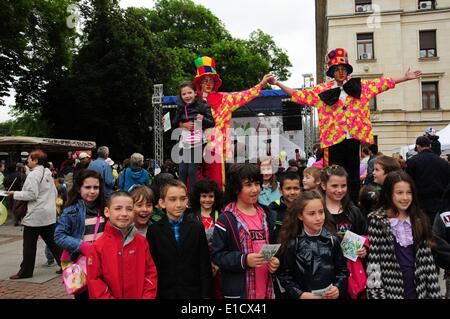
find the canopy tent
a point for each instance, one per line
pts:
(26, 143)
(444, 139)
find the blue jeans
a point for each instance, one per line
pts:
(190, 158)
(49, 255)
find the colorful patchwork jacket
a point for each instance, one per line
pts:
(353, 115)
(222, 106)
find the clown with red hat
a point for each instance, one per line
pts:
(223, 104)
(343, 105)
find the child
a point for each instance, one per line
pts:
(441, 232)
(290, 190)
(311, 178)
(312, 257)
(270, 190)
(344, 214)
(368, 199)
(119, 264)
(400, 262)
(192, 116)
(242, 229)
(76, 227)
(179, 247)
(383, 165)
(142, 208)
(206, 199)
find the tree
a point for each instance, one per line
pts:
(97, 85)
(109, 91)
(44, 51)
(25, 124)
(238, 66)
(264, 45)
(13, 24)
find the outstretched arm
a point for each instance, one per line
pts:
(409, 75)
(282, 86)
(308, 97)
(241, 98)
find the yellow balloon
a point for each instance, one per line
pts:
(3, 214)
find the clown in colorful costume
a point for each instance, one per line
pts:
(343, 106)
(223, 104)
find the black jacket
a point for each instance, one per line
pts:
(228, 255)
(441, 232)
(431, 175)
(279, 210)
(311, 263)
(354, 215)
(184, 269)
(198, 107)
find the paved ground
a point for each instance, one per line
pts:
(44, 284)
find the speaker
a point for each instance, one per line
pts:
(292, 116)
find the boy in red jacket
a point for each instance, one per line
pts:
(124, 253)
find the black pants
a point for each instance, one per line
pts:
(30, 238)
(346, 154)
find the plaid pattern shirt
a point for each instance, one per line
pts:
(175, 225)
(247, 248)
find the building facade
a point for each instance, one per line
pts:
(385, 38)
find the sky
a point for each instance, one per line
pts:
(291, 24)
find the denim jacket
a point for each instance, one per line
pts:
(70, 228)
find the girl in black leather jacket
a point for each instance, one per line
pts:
(311, 255)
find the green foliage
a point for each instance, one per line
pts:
(98, 84)
(264, 45)
(25, 124)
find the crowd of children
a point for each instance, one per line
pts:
(208, 244)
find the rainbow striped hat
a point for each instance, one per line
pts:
(206, 66)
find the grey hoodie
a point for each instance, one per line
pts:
(40, 192)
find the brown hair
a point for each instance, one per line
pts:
(141, 193)
(389, 164)
(336, 170)
(313, 171)
(117, 194)
(420, 223)
(292, 225)
(39, 155)
(273, 180)
(169, 184)
(189, 84)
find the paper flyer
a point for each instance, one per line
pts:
(320, 292)
(166, 121)
(268, 251)
(350, 244)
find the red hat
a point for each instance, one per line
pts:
(337, 57)
(206, 66)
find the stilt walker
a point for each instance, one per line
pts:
(223, 104)
(343, 105)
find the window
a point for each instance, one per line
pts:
(365, 46)
(363, 5)
(427, 41)
(430, 96)
(427, 4)
(373, 104)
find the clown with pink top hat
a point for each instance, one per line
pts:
(343, 105)
(223, 104)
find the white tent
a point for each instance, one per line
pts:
(444, 139)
